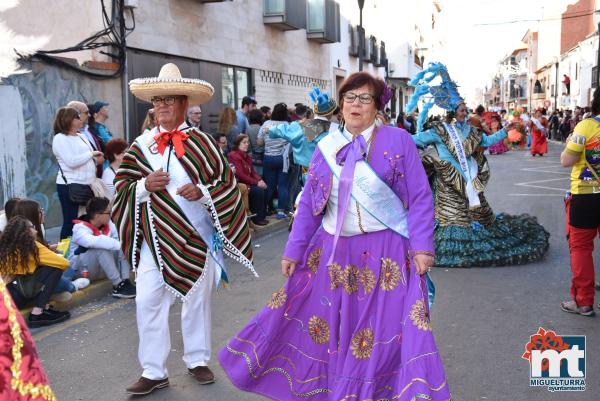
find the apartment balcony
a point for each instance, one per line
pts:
(323, 21)
(285, 15)
(373, 53)
(382, 58)
(367, 49)
(355, 37)
(538, 96)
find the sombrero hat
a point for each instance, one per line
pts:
(170, 82)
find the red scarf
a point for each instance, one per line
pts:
(176, 137)
(104, 230)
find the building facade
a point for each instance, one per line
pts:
(273, 50)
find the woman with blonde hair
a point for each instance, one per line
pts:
(149, 121)
(228, 125)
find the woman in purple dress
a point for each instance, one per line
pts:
(352, 322)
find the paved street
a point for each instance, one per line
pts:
(482, 317)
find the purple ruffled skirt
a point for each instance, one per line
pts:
(498, 148)
(356, 330)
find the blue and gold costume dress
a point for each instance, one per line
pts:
(468, 235)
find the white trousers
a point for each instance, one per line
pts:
(153, 302)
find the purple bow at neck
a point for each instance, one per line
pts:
(346, 157)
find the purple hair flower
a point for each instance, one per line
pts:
(385, 97)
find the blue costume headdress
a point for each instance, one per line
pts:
(445, 95)
(323, 104)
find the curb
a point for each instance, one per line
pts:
(102, 288)
(275, 225)
(95, 291)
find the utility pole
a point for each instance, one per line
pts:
(361, 36)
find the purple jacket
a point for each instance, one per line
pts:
(394, 157)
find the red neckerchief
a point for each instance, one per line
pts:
(176, 137)
(105, 230)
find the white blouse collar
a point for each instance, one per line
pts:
(366, 133)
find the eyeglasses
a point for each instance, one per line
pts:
(78, 116)
(168, 100)
(364, 98)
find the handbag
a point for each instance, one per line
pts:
(79, 194)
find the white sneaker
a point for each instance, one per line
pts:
(81, 283)
(62, 296)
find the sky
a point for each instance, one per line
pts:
(472, 49)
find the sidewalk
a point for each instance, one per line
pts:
(102, 288)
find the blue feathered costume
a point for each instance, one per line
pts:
(468, 233)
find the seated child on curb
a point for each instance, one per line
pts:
(98, 249)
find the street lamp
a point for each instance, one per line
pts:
(596, 16)
(361, 4)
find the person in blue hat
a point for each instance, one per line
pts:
(467, 231)
(99, 111)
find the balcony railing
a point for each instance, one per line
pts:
(382, 59)
(367, 49)
(418, 60)
(374, 52)
(354, 39)
(538, 96)
(323, 21)
(285, 15)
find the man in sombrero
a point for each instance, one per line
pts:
(177, 210)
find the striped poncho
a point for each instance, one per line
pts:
(178, 250)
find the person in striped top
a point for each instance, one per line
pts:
(172, 187)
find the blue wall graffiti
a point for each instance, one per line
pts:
(44, 90)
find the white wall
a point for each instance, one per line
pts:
(65, 22)
(13, 163)
(549, 36)
(577, 64)
(229, 33)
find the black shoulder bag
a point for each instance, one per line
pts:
(79, 194)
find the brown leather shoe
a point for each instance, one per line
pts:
(145, 386)
(202, 374)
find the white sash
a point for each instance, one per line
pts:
(538, 124)
(368, 190)
(194, 211)
(472, 194)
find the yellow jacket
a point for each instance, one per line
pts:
(47, 258)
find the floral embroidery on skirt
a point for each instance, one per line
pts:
(356, 332)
